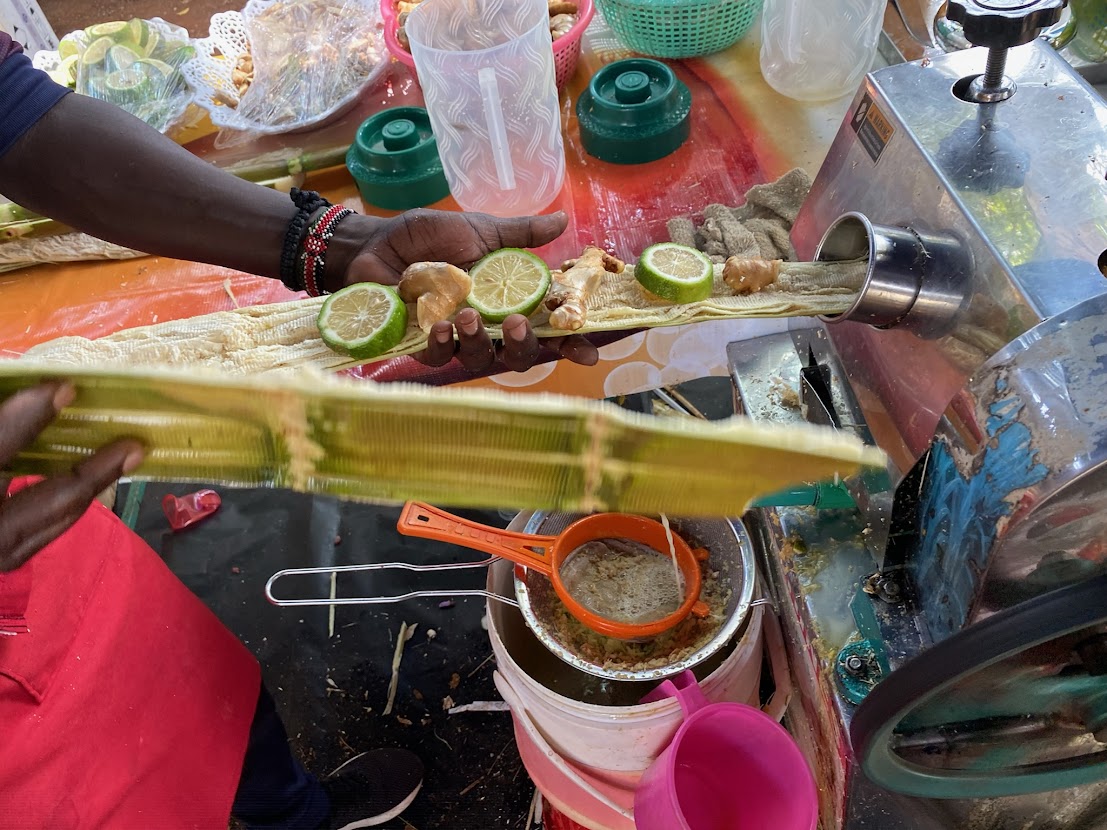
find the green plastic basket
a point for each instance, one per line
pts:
(679, 28)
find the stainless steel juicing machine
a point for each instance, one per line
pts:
(949, 637)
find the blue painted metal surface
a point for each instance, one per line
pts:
(959, 516)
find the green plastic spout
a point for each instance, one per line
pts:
(824, 495)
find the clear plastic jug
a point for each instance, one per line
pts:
(486, 68)
(819, 50)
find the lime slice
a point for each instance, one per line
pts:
(68, 49)
(117, 31)
(152, 45)
(69, 67)
(177, 55)
(60, 77)
(675, 273)
(128, 86)
(364, 320)
(121, 57)
(96, 51)
(156, 68)
(66, 73)
(508, 281)
(159, 72)
(165, 78)
(138, 32)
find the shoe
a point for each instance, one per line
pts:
(373, 788)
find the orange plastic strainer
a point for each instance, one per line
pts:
(547, 555)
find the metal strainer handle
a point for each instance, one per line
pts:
(381, 600)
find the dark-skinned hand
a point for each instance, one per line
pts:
(461, 239)
(39, 514)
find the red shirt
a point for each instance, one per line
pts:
(125, 704)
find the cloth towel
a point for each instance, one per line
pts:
(759, 228)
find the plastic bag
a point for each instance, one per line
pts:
(284, 65)
(135, 65)
(188, 510)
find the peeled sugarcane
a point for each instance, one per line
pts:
(284, 336)
(321, 434)
(748, 275)
(66, 247)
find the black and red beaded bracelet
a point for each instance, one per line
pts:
(307, 203)
(313, 256)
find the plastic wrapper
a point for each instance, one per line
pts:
(133, 64)
(285, 65)
(187, 510)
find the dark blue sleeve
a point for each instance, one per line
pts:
(26, 94)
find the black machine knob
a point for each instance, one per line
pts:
(1000, 25)
(1004, 24)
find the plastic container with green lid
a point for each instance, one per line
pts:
(634, 111)
(394, 160)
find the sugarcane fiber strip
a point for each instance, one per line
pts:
(316, 433)
(285, 335)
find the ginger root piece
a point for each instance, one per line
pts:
(578, 280)
(436, 288)
(746, 276)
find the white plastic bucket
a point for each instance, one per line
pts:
(605, 737)
(585, 758)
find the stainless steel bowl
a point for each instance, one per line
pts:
(731, 555)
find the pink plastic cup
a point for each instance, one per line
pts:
(729, 767)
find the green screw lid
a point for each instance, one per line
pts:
(634, 111)
(394, 160)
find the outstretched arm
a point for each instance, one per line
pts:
(97, 168)
(100, 170)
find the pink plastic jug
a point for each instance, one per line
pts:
(729, 767)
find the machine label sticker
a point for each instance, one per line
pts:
(874, 131)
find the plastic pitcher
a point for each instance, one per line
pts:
(729, 767)
(486, 68)
(819, 50)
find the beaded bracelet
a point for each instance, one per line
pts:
(313, 259)
(307, 203)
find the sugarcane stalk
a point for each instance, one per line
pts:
(11, 213)
(276, 165)
(37, 228)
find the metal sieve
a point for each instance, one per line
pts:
(730, 555)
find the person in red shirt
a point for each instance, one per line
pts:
(124, 703)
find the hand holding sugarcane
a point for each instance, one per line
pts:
(35, 516)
